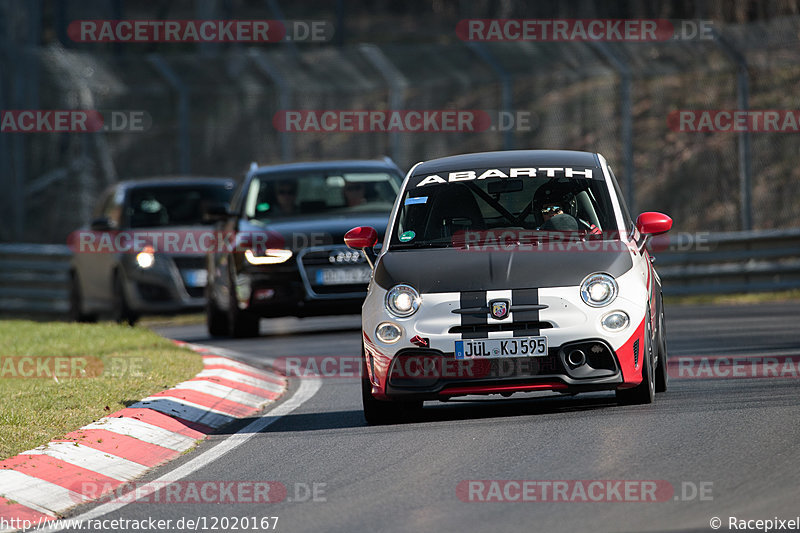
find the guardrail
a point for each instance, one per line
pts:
(34, 278)
(731, 262)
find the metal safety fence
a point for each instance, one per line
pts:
(34, 279)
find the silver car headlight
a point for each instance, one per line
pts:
(402, 301)
(598, 290)
(146, 258)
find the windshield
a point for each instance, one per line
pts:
(337, 192)
(441, 214)
(183, 205)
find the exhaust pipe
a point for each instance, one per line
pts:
(576, 358)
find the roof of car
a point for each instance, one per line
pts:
(167, 181)
(509, 158)
(328, 165)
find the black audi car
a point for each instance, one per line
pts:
(284, 233)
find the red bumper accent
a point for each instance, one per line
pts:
(493, 389)
(631, 374)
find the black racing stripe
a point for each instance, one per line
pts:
(525, 297)
(473, 299)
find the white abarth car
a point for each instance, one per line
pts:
(506, 272)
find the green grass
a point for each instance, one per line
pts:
(735, 299)
(115, 367)
(156, 321)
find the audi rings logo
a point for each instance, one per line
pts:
(345, 257)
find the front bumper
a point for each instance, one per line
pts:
(428, 374)
(173, 284)
(297, 287)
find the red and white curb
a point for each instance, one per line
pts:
(41, 484)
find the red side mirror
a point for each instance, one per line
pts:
(653, 223)
(361, 237)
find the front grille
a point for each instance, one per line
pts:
(419, 369)
(196, 292)
(636, 353)
(152, 293)
(184, 262)
(334, 258)
(503, 326)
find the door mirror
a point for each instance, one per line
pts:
(363, 238)
(653, 223)
(216, 212)
(101, 224)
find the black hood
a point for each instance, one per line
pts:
(458, 270)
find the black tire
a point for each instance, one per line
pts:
(241, 324)
(76, 313)
(121, 311)
(378, 412)
(645, 392)
(662, 369)
(216, 318)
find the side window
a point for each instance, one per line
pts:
(626, 215)
(102, 206)
(113, 209)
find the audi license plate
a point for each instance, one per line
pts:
(499, 348)
(343, 276)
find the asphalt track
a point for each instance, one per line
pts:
(737, 439)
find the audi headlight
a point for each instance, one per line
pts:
(146, 258)
(402, 300)
(272, 256)
(598, 290)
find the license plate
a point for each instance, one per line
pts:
(499, 348)
(195, 278)
(343, 276)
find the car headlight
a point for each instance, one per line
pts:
(402, 300)
(388, 332)
(598, 290)
(145, 258)
(272, 256)
(615, 320)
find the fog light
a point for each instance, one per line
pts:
(263, 294)
(615, 320)
(388, 333)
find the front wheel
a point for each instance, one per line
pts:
(216, 318)
(645, 392)
(121, 311)
(662, 370)
(241, 324)
(76, 313)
